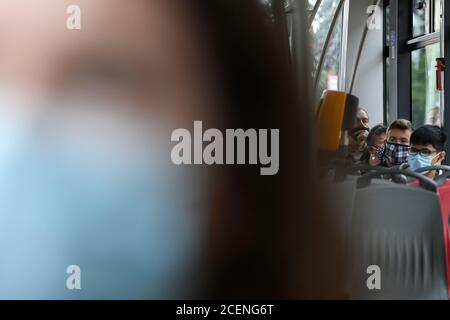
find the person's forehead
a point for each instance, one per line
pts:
(381, 136)
(114, 24)
(362, 114)
(399, 133)
(155, 37)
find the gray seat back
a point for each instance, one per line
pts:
(397, 228)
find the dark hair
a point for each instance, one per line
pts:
(401, 124)
(432, 135)
(375, 132)
(258, 241)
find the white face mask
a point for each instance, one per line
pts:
(417, 161)
(93, 187)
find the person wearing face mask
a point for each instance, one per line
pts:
(427, 148)
(398, 143)
(376, 141)
(358, 136)
(85, 172)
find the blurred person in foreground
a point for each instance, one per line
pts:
(85, 172)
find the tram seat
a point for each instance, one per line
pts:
(444, 196)
(342, 193)
(443, 183)
(399, 229)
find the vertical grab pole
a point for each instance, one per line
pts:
(360, 49)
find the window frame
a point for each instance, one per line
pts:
(399, 78)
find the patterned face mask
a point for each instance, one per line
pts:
(379, 151)
(396, 154)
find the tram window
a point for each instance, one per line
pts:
(320, 26)
(311, 4)
(421, 17)
(437, 15)
(426, 103)
(319, 30)
(332, 61)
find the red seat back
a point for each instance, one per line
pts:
(444, 199)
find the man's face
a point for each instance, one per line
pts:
(362, 120)
(398, 136)
(429, 151)
(377, 142)
(359, 132)
(361, 125)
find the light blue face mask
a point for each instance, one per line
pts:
(417, 161)
(121, 211)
